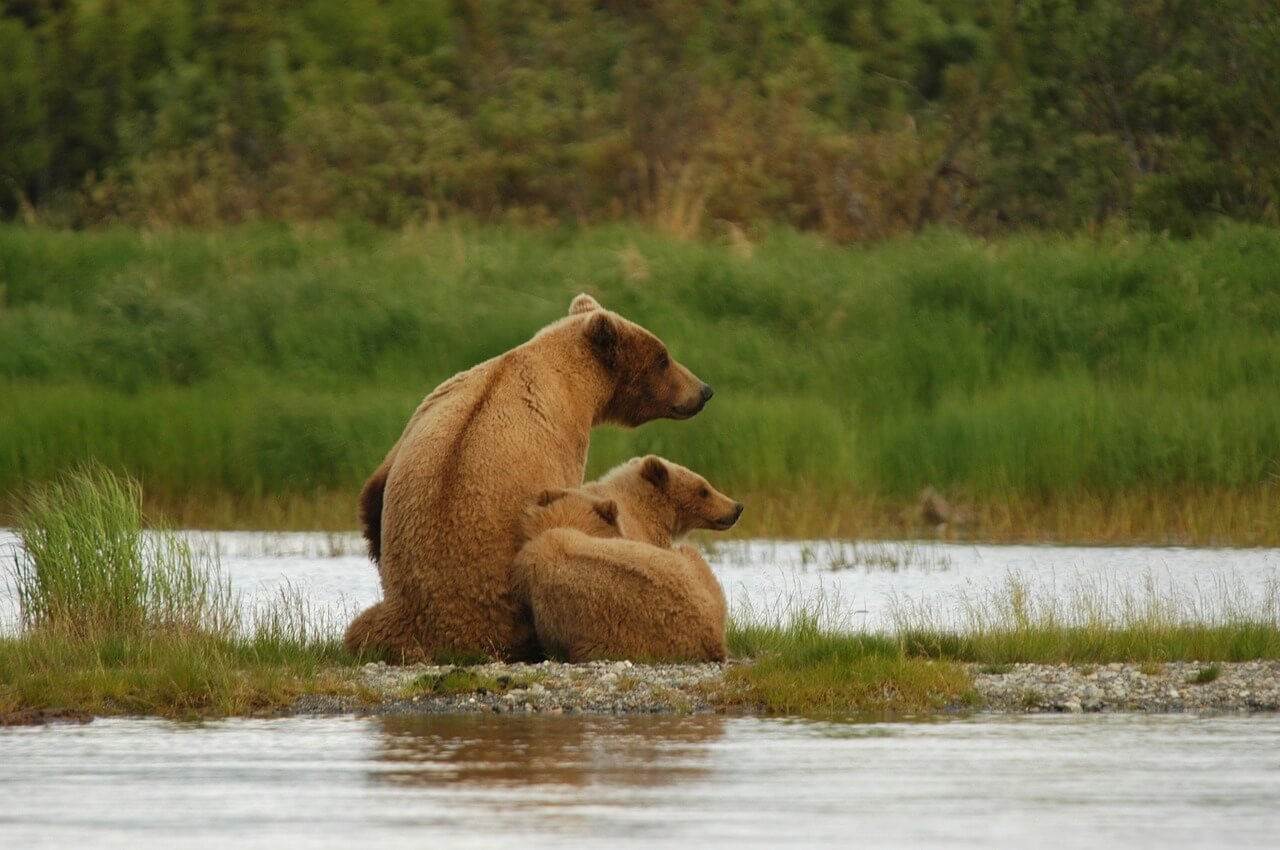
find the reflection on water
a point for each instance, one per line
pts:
(572, 782)
(627, 752)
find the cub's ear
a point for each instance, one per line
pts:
(602, 335)
(654, 471)
(608, 511)
(584, 303)
(546, 497)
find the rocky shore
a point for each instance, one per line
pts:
(618, 687)
(1180, 686)
(626, 688)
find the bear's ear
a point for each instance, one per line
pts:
(546, 497)
(654, 471)
(608, 511)
(584, 303)
(602, 334)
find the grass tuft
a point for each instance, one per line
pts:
(1206, 675)
(87, 567)
(804, 665)
(460, 681)
(118, 620)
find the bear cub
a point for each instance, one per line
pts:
(601, 578)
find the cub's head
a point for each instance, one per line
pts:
(574, 509)
(648, 383)
(663, 501)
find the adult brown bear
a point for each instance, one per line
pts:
(442, 514)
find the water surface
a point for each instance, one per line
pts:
(861, 583)
(565, 782)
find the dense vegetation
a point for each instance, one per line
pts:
(858, 119)
(267, 362)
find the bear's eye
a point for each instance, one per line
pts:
(664, 360)
(704, 493)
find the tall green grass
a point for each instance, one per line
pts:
(281, 361)
(118, 619)
(87, 567)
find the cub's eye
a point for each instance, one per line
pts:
(664, 360)
(704, 493)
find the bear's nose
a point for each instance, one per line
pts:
(737, 510)
(707, 393)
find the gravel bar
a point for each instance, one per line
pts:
(626, 688)
(1180, 686)
(602, 687)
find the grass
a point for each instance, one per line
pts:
(1206, 675)
(1097, 624)
(808, 661)
(802, 664)
(1107, 389)
(462, 681)
(118, 620)
(88, 568)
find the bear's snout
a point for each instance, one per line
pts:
(694, 407)
(729, 520)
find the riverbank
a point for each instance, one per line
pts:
(1186, 516)
(621, 688)
(115, 621)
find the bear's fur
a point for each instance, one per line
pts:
(592, 595)
(660, 501)
(442, 514)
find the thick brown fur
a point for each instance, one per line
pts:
(660, 501)
(442, 513)
(592, 595)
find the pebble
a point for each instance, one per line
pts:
(1246, 686)
(548, 687)
(626, 688)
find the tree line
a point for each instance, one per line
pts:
(857, 118)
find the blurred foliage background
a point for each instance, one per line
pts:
(856, 119)
(1125, 381)
(243, 239)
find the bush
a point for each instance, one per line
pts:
(857, 120)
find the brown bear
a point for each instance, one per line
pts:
(442, 514)
(591, 595)
(660, 501)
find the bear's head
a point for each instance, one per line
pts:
(661, 501)
(572, 508)
(647, 382)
